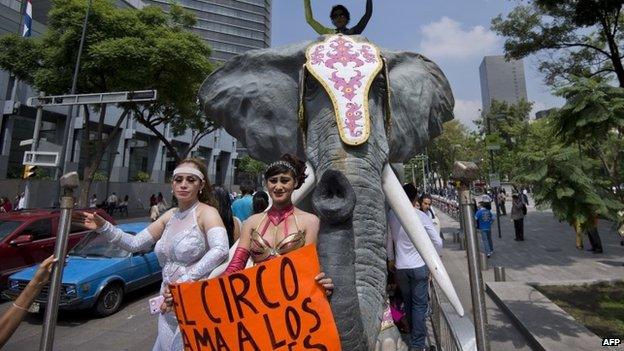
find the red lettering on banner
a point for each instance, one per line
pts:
(274, 305)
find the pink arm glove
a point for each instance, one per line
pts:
(239, 260)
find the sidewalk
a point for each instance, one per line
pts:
(548, 255)
(502, 333)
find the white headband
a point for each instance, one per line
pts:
(189, 170)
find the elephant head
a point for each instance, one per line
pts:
(273, 105)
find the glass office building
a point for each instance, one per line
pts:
(230, 27)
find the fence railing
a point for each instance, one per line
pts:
(451, 331)
(448, 206)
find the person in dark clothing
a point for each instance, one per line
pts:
(501, 202)
(518, 211)
(340, 17)
(593, 235)
(260, 201)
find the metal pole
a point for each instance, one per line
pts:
(424, 175)
(467, 172)
(499, 273)
(68, 182)
(70, 110)
(492, 166)
(34, 146)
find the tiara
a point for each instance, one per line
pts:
(283, 164)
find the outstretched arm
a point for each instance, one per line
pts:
(359, 28)
(132, 243)
(319, 28)
(12, 318)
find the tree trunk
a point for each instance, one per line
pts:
(100, 147)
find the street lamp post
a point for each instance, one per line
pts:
(493, 167)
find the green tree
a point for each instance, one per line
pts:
(454, 144)
(563, 179)
(505, 125)
(125, 49)
(250, 168)
(577, 37)
(593, 121)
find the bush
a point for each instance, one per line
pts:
(100, 176)
(142, 177)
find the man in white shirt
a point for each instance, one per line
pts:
(21, 203)
(425, 206)
(412, 274)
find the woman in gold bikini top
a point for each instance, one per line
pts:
(274, 238)
(261, 250)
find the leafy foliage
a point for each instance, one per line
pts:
(249, 165)
(125, 49)
(577, 37)
(593, 110)
(562, 179)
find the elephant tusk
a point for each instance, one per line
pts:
(401, 205)
(309, 184)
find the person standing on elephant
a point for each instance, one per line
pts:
(340, 17)
(412, 274)
(267, 235)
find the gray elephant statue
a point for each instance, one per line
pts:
(349, 109)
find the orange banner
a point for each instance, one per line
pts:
(275, 305)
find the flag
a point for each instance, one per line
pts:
(27, 29)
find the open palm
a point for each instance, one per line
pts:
(88, 220)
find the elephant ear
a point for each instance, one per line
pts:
(254, 96)
(420, 101)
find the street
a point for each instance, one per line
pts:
(131, 328)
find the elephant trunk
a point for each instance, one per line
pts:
(369, 227)
(334, 201)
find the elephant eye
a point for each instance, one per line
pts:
(311, 87)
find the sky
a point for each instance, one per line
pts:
(455, 34)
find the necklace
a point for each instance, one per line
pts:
(180, 215)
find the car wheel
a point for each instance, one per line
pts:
(109, 300)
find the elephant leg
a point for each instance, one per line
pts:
(334, 201)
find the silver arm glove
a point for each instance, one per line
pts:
(133, 243)
(217, 253)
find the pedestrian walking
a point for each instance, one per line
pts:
(425, 206)
(411, 272)
(485, 218)
(21, 202)
(260, 201)
(153, 201)
(243, 208)
(93, 201)
(593, 235)
(518, 212)
(501, 202)
(8, 206)
(111, 203)
(525, 197)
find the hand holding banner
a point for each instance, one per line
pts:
(275, 305)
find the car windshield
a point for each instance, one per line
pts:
(7, 227)
(95, 245)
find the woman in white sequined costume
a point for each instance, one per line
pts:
(190, 240)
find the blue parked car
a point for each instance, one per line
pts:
(97, 274)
